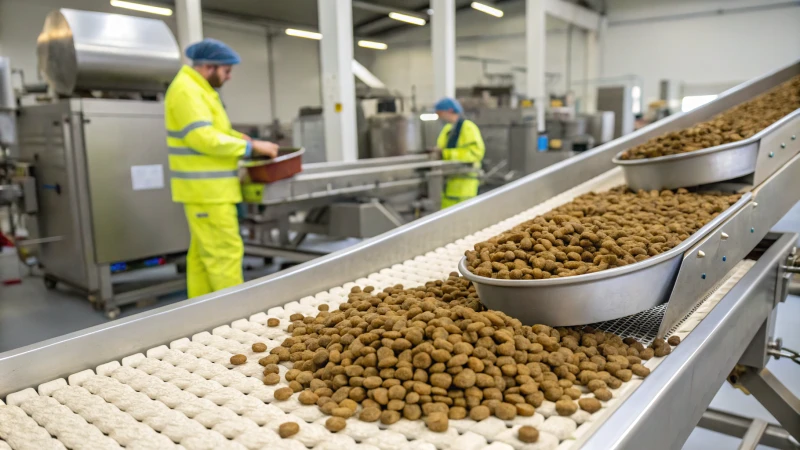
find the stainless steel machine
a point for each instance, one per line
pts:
(342, 200)
(137, 365)
(104, 204)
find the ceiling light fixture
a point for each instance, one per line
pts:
(303, 34)
(407, 19)
(142, 8)
(428, 117)
(492, 11)
(373, 45)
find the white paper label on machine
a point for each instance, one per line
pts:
(147, 177)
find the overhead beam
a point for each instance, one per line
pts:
(365, 6)
(571, 13)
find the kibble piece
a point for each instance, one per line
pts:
(640, 370)
(342, 412)
(664, 350)
(573, 393)
(602, 394)
(553, 393)
(412, 412)
(238, 360)
(457, 412)
(273, 322)
(674, 340)
(525, 410)
(590, 405)
(624, 375)
(323, 307)
(283, 394)
(437, 422)
(647, 353)
(370, 414)
(288, 429)
(272, 379)
(259, 347)
(308, 398)
(389, 417)
(335, 424)
(528, 434)
(349, 404)
(479, 413)
(271, 359)
(566, 407)
(505, 411)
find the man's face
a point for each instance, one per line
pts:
(219, 75)
(448, 116)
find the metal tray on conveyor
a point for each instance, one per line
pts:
(593, 297)
(713, 164)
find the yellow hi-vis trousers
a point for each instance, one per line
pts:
(215, 255)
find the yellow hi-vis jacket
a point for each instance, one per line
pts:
(203, 148)
(469, 148)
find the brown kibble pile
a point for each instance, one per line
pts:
(596, 231)
(434, 353)
(735, 124)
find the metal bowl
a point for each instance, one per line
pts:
(710, 165)
(594, 297)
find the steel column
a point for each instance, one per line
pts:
(534, 51)
(338, 83)
(443, 42)
(189, 15)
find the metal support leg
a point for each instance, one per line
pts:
(738, 426)
(778, 400)
(753, 435)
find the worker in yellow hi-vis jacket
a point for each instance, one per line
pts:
(203, 160)
(460, 140)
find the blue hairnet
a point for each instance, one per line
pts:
(212, 51)
(447, 104)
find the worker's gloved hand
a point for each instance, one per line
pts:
(265, 148)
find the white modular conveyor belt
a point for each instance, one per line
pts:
(188, 395)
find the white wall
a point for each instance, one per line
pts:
(246, 96)
(408, 64)
(717, 50)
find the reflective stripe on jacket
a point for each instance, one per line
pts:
(203, 148)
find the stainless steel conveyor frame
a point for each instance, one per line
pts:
(736, 330)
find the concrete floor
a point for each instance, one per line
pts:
(29, 313)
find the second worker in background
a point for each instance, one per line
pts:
(460, 140)
(204, 152)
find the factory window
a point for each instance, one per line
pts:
(691, 102)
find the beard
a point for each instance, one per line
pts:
(214, 80)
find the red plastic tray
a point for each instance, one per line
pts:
(288, 163)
